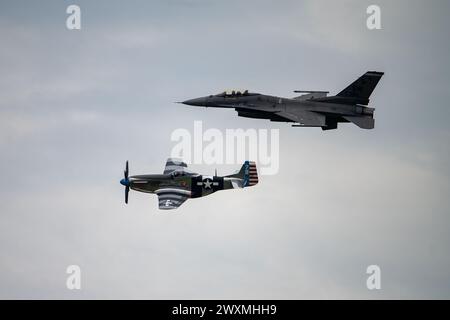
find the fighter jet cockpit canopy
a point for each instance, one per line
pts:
(235, 93)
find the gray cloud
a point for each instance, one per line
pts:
(75, 105)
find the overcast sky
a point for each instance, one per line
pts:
(75, 105)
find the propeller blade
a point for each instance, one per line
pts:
(126, 182)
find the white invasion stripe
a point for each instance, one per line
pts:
(172, 195)
(171, 203)
(173, 190)
(173, 199)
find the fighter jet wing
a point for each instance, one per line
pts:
(173, 164)
(306, 118)
(172, 198)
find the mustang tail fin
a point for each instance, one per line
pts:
(248, 174)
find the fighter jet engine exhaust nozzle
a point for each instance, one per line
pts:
(125, 182)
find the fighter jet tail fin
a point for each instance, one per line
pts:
(248, 174)
(362, 88)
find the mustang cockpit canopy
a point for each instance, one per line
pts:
(181, 173)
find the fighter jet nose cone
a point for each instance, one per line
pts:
(195, 102)
(125, 182)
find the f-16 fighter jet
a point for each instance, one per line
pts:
(177, 183)
(312, 109)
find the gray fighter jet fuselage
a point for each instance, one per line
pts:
(312, 109)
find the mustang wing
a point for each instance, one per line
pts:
(173, 164)
(172, 198)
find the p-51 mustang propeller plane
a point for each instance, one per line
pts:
(177, 183)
